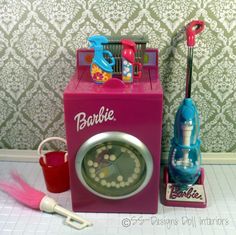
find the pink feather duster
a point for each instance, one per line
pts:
(22, 192)
(29, 196)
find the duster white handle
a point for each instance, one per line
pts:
(72, 219)
(49, 205)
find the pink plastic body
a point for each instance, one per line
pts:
(137, 111)
(166, 180)
(195, 27)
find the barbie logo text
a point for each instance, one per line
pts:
(103, 115)
(189, 193)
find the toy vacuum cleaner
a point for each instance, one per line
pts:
(184, 177)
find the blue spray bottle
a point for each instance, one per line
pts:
(185, 156)
(101, 70)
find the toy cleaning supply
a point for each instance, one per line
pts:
(101, 68)
(128, 61)
(184, 178)
(36, 199)
(115, 47)
(185, 156)
(55, 167)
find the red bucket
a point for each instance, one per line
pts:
(55, 168)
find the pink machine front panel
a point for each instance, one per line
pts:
(135, 109)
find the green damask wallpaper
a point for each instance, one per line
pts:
(38, 39)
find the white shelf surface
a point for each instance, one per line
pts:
(218, 218)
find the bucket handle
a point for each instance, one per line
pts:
(39, 151)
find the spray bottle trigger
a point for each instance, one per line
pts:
(139, 65)
(111, 57)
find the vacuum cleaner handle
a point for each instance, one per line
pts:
(193, 28)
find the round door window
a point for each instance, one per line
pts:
(114, 165)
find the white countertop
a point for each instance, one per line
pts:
(218, 218)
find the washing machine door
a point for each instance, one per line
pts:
(114, 165)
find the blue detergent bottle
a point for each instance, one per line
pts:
(101, 69)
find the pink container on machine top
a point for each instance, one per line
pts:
(113, 133)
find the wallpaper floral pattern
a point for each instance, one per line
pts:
(38, 40)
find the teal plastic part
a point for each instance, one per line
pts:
(185, 156)
(97, 42)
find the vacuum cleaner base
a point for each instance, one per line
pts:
(192, 196)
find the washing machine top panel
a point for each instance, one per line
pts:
(82, 83)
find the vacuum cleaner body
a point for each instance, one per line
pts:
(184, 178)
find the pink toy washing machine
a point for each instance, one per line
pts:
(113, 133)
